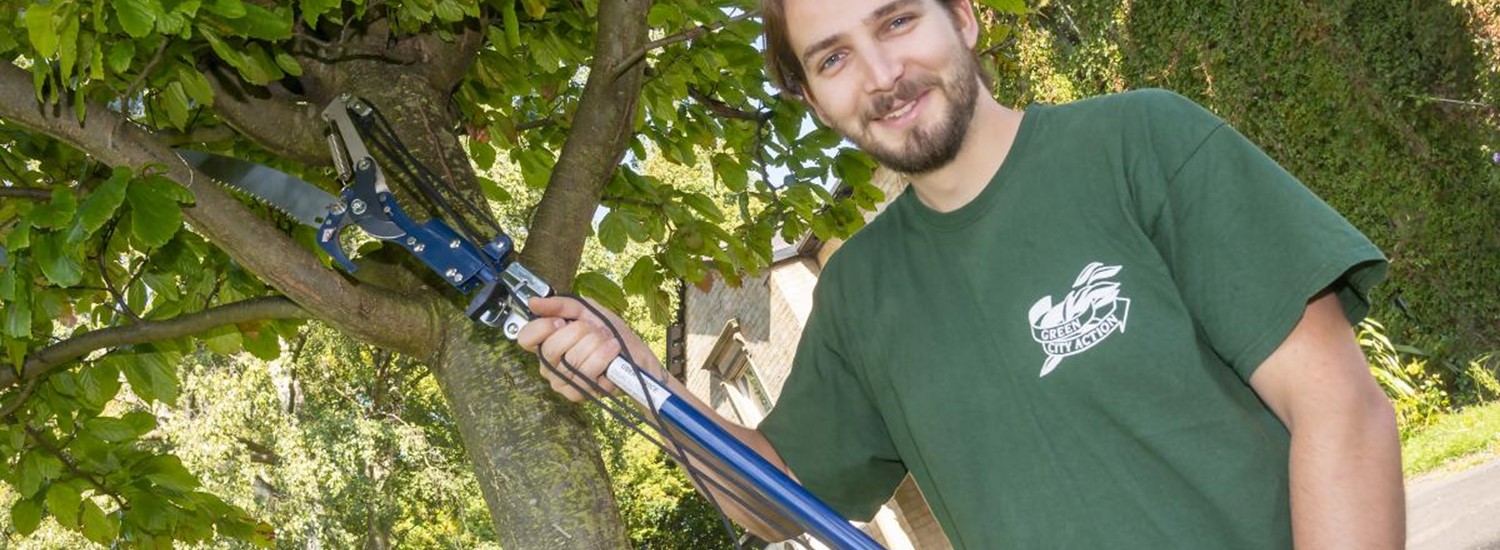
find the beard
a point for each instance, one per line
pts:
(923, 149)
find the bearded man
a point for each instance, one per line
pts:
(1111, 323)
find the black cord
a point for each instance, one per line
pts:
(681, 454)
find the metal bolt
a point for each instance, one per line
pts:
(411, 241)
(453, 274)
(358, 206)
(453, 244)
(337, 208)
(364, 163)
(420, 247)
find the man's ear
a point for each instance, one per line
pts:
(968, 26)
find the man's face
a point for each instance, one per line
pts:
(896, 77)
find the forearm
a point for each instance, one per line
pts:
(1346, 485)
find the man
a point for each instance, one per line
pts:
(1112, 323)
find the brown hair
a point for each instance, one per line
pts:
(786, 69)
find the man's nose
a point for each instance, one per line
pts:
(882, 69)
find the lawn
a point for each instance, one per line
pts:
(1455, 441)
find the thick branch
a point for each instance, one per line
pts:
(33, 193)
(406, 323)
(277, 125)
(46, 360)
(601, 131)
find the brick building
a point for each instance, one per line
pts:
(734, 349)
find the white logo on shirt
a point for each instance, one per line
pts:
(1091, 312)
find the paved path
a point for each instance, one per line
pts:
(1459, 511)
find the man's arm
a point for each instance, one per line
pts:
(565, 329)
(1346, 485)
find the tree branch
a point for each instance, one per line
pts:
(724, 110)
(404, 322)
(690, 34)
(602, 126)
(276, 125)
(33, 193)
(51, 358)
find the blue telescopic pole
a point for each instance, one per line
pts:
(789, 498)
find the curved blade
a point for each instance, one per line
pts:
(296, 198)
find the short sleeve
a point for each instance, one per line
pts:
(1248, 245)
(827, 430)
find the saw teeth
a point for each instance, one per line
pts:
(258, 199)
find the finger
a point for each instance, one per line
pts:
(567, 391)
(553, 348)
(581, 351)
(599, 361)
(557, 306)
(537, 331)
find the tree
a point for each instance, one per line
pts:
(118, 258)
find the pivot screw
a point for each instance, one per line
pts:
(453, 274)
(358, 206)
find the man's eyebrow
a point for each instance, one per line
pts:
(880, 13)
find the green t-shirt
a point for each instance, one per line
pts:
(1062, 362)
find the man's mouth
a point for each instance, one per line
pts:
(901, 110)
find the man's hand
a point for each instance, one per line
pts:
(579, 344)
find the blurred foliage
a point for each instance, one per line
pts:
(1390, 111)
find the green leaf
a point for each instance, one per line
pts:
(703, 205)
(288, 63)
(155, 215)
(195, 84)
(121, 53)
(41, 30)
(730, 172)
(483, 154)
(151, 376)
(594, 285)
(225, 340)
(612, 231)
(18, 316)
(55, 214)
(113, 430)
(58, 261)
(99, 206)
(136, 16)
(168, 472)
(67, 46)
(174, 99)
(643, 277)
(26, 516)
(264, 344)
(262, 23)
(232, 9)
(100, 383)
(313, 9)
(63, 500)
(98, 527)
(141, 422)
(19, 237)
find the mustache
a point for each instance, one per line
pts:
(905, 90)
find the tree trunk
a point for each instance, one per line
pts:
(534, 454)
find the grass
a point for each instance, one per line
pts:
(1455, 441)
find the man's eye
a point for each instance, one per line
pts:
(830, 61)
(900, 22)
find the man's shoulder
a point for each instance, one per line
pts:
(1149, 102)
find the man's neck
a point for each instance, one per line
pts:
(985, 148)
